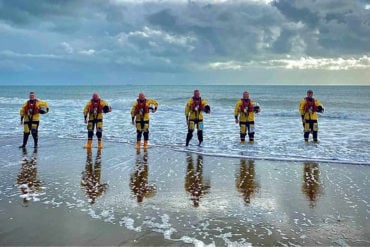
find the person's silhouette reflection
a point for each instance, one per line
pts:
(139, 183)
(91, 177)
(311, 182)
(27, 180)
(245, 180)
(194, 182)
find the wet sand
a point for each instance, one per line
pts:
(64, 195)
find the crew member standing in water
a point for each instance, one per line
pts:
(194, 109)
(140, 117)
(30, 118)
(244, 115)
(93, 115)
(308, 109)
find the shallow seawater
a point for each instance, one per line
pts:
(183, 197)
(344, 127)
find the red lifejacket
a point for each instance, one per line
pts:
(310, 105)
(141, 107)
(246, 103)
(197, 102)
(95, 107)
(31, 107)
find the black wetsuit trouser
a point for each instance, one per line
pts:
(312, 127)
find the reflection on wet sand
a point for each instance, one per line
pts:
(311, 182)
(91, 177)
(27, 180)
(139, 184)
(195, 184)
(245, 180)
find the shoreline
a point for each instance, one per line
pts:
(195, 149)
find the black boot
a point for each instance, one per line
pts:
(25, 139)
(188, 138)
(242, 138)
(251, 137)
(306, 136)
(35, 139)
(200, 137)
(314, 136)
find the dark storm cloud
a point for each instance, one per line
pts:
(169, 36)
(293, 11)
(222, 30)
(343, 27)
(326, 26)
(23, 12)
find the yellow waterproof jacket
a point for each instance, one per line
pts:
(245, 113)
(141, 111)
(307, 112)
(194, 112)
(32, 111)
(94, 110)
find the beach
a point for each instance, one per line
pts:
(164, 196)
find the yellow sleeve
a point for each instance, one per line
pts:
(237, 107)
(154, 102)
(133, 109)
(22, 110)
(204, 102)
(317, 103)
(301, 107)
(43, 103)
(103, 102)
(86, 108)
(188, 107)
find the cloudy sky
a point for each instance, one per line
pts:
(185, 41)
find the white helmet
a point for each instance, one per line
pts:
(152, 108)
(256, 108)
(43, 110)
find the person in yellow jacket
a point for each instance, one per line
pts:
(308, 109)
(30, 117)
(194, 109)
(244, 116)
(140, 117)
(93, 116)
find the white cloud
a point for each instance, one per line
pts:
(158, 36)
(303, 63)
(88, 52)
(12, 54)
(325, 63)
(229, 65)
(67, 47)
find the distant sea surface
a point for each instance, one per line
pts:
(344, 127)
